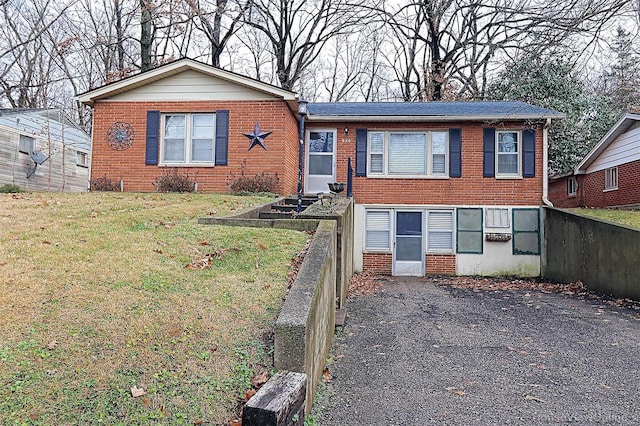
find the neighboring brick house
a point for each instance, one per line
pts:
(439, 187)
(608, 175)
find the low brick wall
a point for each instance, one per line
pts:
(603, 255)
(304, 329)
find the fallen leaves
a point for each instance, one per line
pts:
(259, 379)
(326, 375)
(365, 284)
(137, 392)
(52, 344)
(533, 398)
(207, 261)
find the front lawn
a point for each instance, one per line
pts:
(103, 292)
(624, 217)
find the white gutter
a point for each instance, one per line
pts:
(545, 163)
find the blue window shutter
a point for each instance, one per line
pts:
(222, 137)
(489, 150)
(153, 136)
(361, 152)
(529, 153)
(455, 153)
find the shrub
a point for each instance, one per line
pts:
(10, 188)
(245, 184)
(104, 184)
(171, 181)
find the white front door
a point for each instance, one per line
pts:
(408, 244)
(320, 167)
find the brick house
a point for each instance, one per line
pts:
(608, 174)
(439, 187)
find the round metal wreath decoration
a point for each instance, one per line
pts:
(120, 136)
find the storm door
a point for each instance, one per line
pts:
(408, 247)
(320, 167)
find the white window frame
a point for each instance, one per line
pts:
(518, 154)
(611, 178)
(389, 229)
(188, 140)
(497, 217)
(429, 230)
(572, 186)
(82, 159)
(428, 134)
(24, 140)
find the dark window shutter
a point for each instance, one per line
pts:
(455, 153)
(489, 149)
(222, 137)
(361, 152)
(153, 136)
(529, 153)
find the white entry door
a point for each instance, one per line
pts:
(320, 168)
(408, 245)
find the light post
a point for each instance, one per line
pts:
(302, 112)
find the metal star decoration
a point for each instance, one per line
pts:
(257, 137)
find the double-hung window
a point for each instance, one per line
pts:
(439, 231)
(188, 139)
(572, 186)
(611, 179)
(408, 153)
(378, 230)
(508, 153)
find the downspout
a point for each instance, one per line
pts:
(545, 163)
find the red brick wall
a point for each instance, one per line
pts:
(471, 188)
(559, 196)
(435, 263)
(628, 191)
(281, 156)
(377, 262)
(441, 264)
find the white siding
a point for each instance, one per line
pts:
(191, 86)
(52, 175)
(625, 149)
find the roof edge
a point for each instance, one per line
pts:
(606, 140)
(429, 118)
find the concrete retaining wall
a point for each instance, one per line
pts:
(304, 329)
(343, 215)
(603, 255)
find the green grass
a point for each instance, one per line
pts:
(624, 217)
(95, 299)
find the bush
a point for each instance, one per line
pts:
(245, 184)
(10, 188)
(104, 184)
(171, 181)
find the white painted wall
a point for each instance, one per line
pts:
(497, 258)
(624, 149)
(191, 85)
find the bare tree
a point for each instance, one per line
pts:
(298, 30)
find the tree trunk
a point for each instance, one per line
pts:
(146, 36)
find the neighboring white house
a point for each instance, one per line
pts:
(42, 150)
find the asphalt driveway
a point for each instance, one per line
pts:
(420, 352)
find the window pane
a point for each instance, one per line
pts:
(174, 127)
(321, 142)
(202, 126)
(470, 219)
(525, 220)
(407, 153)
(377, 230)
(439, 142)
(497, 218)
(409, 223)
(508, 142)
(508, 164)
(321, 165)
(440, 230)
(408, 248)
(174, 150)
(202, 150)
(439, 165)
(469, 241)
(526, 243)
(440, 240)
(377, 142)
(376, 165)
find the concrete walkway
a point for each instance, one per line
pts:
(420, 353)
